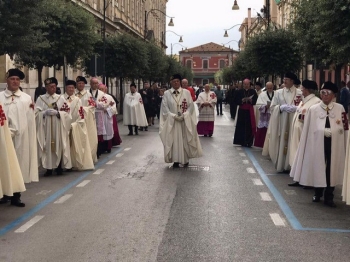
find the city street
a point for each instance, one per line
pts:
(229, 205)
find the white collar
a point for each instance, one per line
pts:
(9, 93)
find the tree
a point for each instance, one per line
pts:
(18, 22)
(156, 63)
(69, 31)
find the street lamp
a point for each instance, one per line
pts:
(235, 5)
(238, 42)
(174, 45)
(180, 40)
(171, 23)
(246, 30)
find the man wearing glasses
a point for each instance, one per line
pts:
(283, 106)
(320, 157)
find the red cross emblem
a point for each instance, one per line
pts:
(91, 102)
(212, 95)
(81, 112)
(103, 99)
(2, 116)
(297, 100)
(345, 121)
(65, 108)
(184, 106)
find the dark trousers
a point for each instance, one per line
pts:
(219, 104)
(328, 191)
(233, 110)
(130, 129)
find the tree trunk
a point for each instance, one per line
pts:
(121, 95)
(40, 80)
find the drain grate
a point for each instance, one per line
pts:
(192, 168)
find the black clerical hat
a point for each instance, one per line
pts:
(15, 72)
(81, 78)
(330, 86)
(308, 84)
(51, 80)
(70, 82)
(291, 75)
(176, 76)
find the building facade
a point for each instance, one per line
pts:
(205, 60)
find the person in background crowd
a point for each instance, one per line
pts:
(110, 111)
(220, 97)
(185, 85)
(152, 95)
(40, 90)
(206, 103)
(344, 96)
(308, 89)
(283, 106)
(159, 101)
(177, 128)
(245, 127)
(143, 93)
(199, 90)
(52, 115)
(88, 104)
(320, 157)
(263, 105)
(133, 111)
(258, 89)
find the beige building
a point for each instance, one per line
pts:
(141, 18)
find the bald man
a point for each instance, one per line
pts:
(245, 125)
(185, 85)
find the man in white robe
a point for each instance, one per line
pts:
(283, 107)
(206, 102)
(134, 114)
(309, 99)
(19, 109)
(177, 127)
(79, 142)
(110, 112)
(53, 122)
(89, 106)
(11, 179)
(320, 157)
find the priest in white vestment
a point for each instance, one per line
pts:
(258, 89)
(206, 102)
(283, 107)
(19, 109)
(320, 157)
(308, 89)
(89, 106)
(134, 114)
(53, 121)
(11, 179)
(263, 106)
(79, 141)
(177, 126)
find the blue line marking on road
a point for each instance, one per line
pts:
(54, 196)
(294, 222)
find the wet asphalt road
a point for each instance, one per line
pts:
(229, 205)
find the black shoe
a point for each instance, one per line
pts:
(141, 129)
(109, 151)
(4, 199)
(307, 187)
(210, 135)
(295, 184)
(186, 165)
(220, 114)
(330, 203)
(217, 114)
(205, 135)
(176, 165)
(17, 202)
(130, 134)
(146, 128)
(316, 199)
(59, 172)
(48, 172)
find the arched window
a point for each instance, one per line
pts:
(189, 63)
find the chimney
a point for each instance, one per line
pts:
(249, 17)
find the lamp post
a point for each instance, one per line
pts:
(238, 42)
(246, 30)
(174, 45)
(171, 23)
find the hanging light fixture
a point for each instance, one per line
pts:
(180, 39)
(226, 34)
(235, 5)
(171, 23)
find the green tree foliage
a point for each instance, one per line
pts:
(273, 53)
(68, 30)
(18, 22)
(156, 63)
(242, 68)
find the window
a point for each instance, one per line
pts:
(205, 64)
(189, 63)
(222, 63)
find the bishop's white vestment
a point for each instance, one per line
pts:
(53, 131)
(19, 109)
(133, 110)
(180, 139)
(79, 142)
(11, 180)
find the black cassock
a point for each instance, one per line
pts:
(245, 122)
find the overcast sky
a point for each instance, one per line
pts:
(203, 21)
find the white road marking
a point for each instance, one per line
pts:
(265, 196)
(257, 182)
(242, 154)
(84, 183)
(225, 116)
(238, 148)
(245, 161)
(127, 149)
(250, 170)
(44, 192)
(29, 224)
(277, 220)
(110, 162)
(63, 199)
(290, 192)
(119, 155)
(98, 171)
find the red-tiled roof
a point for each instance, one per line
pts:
(209, 47)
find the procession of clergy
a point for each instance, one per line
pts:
(302, 134)
(58, 132)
